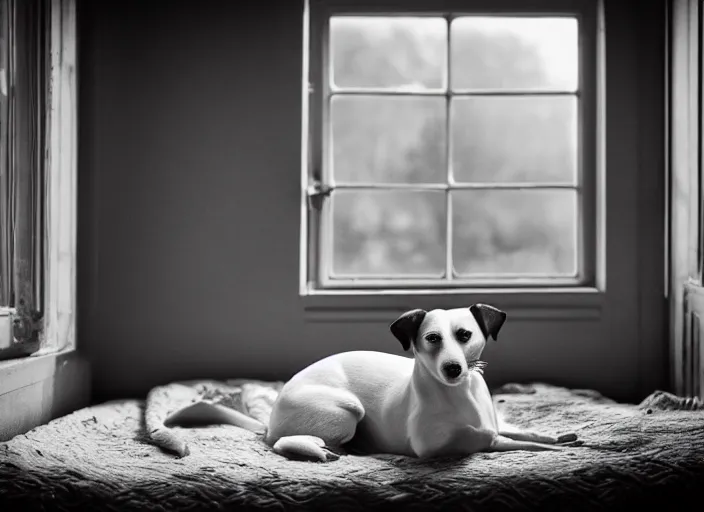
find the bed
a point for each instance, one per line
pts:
(128, 455)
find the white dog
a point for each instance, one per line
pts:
(436, 404)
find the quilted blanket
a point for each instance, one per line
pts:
(128, 455)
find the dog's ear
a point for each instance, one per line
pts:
(405, 327)
(489, 318)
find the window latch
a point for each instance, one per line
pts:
(317, 192)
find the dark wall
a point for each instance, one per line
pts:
(190, 154)
(189, 148)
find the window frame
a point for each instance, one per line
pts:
(315, 210)
(685, 189)
(56, 204)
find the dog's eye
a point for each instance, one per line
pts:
(463, 335)
(433, 338)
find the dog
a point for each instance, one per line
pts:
(432, 405)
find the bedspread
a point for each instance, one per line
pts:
(122, 456)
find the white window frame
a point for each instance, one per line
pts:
(313, 275)
(686, 192)
(58, 326)
(62, 182)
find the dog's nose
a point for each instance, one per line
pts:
(452, 370)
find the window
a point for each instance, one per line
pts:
(37, 175)
(450, 149)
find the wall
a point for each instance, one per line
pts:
(189, 212)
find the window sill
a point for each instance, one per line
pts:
(384, 305)
(25, 371)
(36, 389)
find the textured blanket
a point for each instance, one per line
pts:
(128, 456)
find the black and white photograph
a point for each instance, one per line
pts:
(351, 255)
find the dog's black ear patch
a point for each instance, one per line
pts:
(489, 318)
(405, 327)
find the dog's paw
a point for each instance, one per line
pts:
(303, 447)
(567, 438)
(329, 455)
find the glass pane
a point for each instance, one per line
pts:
(515, 232)
(388, 52)
(514, 53)
(514, 139)
(386, 139)
(388, 233)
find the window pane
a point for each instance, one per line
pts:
(388, 233)
(515, 232)
(388, 139)
(514, 139)
(388, 52)
(514, 53)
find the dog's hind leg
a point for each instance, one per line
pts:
(314, 423)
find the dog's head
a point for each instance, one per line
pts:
(448, 341)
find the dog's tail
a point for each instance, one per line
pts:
(203, 413)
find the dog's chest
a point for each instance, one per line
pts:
(456, 423)
(458, 412)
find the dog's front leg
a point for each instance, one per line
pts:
(468, 440)
(518, 434)
(506, 444)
